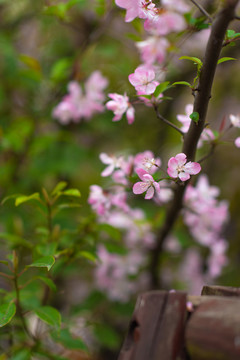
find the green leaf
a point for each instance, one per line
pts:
(161, 88)
(71, 192)
(59, 187)
(4, 262)
(48, 282)
(230, 34)
(68, 206)
(191, 58)
(68, 341)
(13, 196)
(23, 198)
(88, 255)
(225, 59)
(7, 311)
(182, 83)
(49, 315)
(30, 62)
(23, 354)
(107, 336)
(46, 261)
(194, 116)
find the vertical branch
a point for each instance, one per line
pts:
(203, 95)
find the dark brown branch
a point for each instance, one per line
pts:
(203, 95)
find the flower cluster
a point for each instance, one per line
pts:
(235, 121)
(77, 105)
(206, 216)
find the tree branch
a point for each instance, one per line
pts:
(202, 10)
(214, 46)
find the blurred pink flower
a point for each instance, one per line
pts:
(147, 184)
(153, 49)
(146, 161)
(143, 79)
(137, 8)
(179, 167)
(119, 105)
(112, 162)
(235, 120)
(237, 142)
(77, 105)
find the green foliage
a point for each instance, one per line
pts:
(49, 315)
(7, 312)
(194, 116)
(46, 261)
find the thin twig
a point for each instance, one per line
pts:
(167, 121)
(210, 153)
(10, 277)
(202, 10)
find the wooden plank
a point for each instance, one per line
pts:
(156, 328)
(213, 330)
(220, 290)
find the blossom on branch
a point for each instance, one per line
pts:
(179, 167)
(120, 105)
(143, 79)
(147, 184)
(112, 162)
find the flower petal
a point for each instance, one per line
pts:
(149, 193)
(140, 187)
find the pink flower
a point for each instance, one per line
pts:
(179, 167)
(77, 105)
(146, 161)
(112, 163)
(237, 142)
(153, 49)
(119, 105)
(235, 120)
(143, 80)
(137, 8)
(147, 184)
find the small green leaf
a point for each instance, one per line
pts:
(70, 342)
(7, 311)
(59, 187)
(71, 192)
(30, 62)
(230, 33)
(149, 97)
(68, 206)
(23, 354)
(225, 59)
(191, 58)
(23, 198)
(48, 282)
(49, 315)
(161, 88)
(88, 255)
(4, 262)
(14, 196)
(46, 261)
(194, 116)
(182, 83)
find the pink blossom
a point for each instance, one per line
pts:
(153, 49)
(218, 258)
(235, 120)
(143, 80)
(237, 142)
(137, 8)
(179, 167)
(112, 163)
(165, 22)
(77, 104)
(99, 200)
(119, 105)
(147, 184)
(147, 161)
